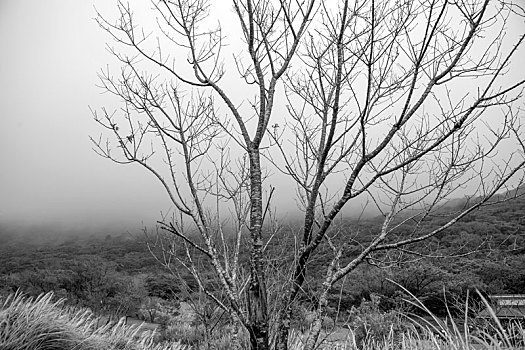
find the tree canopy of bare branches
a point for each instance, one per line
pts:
(401, 103)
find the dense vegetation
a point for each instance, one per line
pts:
(118, 275)
(41, 324)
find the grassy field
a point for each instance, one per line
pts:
(43, 324)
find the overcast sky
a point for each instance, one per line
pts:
(50, 53)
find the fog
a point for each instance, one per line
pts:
(50, 178)
(51, 53)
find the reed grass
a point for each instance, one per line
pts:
(44, 324)
(429, 332)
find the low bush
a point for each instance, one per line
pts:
(371, 325)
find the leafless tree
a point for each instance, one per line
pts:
(401, 102)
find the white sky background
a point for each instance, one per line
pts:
(50, 53)
(50, 178)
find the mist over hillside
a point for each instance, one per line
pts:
(36, 233)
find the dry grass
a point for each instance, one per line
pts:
(433, 333)
(44, 324)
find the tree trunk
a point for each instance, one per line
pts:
(283, 329)
(256, 295)
(285, 316)
(315, 328)
(259, 338)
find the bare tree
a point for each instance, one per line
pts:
(380, 105)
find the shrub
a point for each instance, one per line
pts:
(371, 325)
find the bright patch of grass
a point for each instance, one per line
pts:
(44, 324)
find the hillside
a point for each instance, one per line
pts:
(118, 274)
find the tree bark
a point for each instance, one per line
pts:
(256, 295)
(283, 329)
(315, 328)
